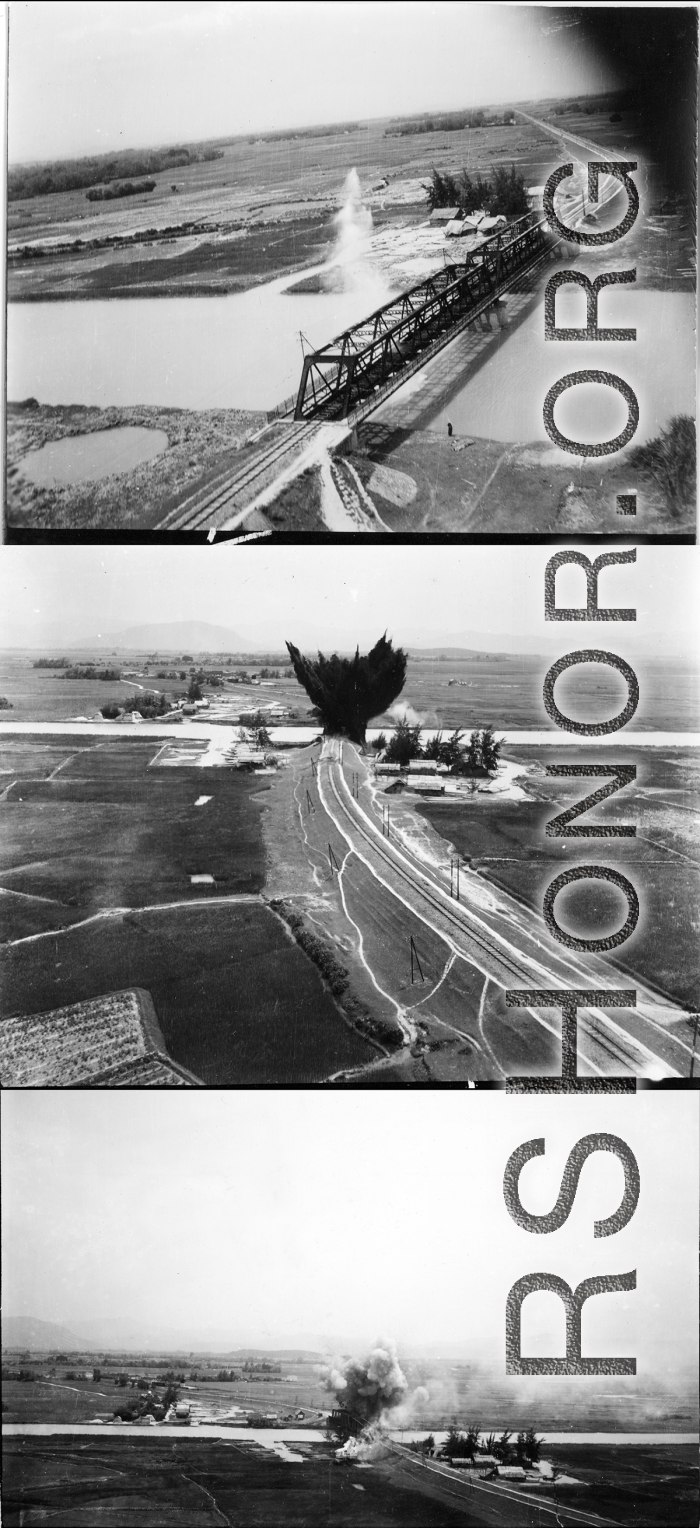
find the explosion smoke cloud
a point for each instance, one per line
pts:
(374, 1390)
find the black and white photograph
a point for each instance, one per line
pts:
(319, 814)
(349, 765)
(307, 268)
(302, 1310)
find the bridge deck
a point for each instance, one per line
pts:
(351, 375)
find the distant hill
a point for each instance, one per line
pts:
(180, 636)
(29, 1332)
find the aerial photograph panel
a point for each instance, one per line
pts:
(267, 1379)
(319, 815)
(239, 306)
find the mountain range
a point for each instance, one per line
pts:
(207, 637)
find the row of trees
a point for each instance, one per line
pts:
(466, 1445)
(77, 174)
(109, 675)
(480, 755)
(112, 193)
(148, 705)
(503, 194)
(450, 122)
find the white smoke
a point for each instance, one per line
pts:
(354, 225)
(402, 711)
(351, 267)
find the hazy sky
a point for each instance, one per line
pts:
(340, 593)
(356, 1213)
(85, 78)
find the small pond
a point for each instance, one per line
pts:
(77, 458)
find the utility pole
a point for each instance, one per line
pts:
(333, 861)
(414, 959)
(309, 804)
(696, 1017)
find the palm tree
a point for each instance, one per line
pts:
(490, 749)
(502, 1448)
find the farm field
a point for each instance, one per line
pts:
(53, 1397)
(97, 862)
(236, 999)
(506, 842)
(108, 831)
(195, 1483)
(192, 1482)
(446, 687)
(506, 691)
(41, 694)
(266, 207)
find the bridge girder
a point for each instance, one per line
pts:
(344, 374)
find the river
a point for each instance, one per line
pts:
(503, 399)
(239, 351)
(272, 1437)
(244, 351)
(298, 736)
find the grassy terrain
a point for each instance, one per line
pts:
(298, 506)
(639, 1486)
(504, 689)
(188, 1482)
(458, 487)
(232, 990)
(506, 842)
(196, 441)
(46, 695)
(108, 831)
(52, 1397)
(197, 1483)
(236, 999)
(267, 206)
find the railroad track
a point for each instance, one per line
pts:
(619, 1050)
(219, 498)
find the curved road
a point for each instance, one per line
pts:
(508, 943)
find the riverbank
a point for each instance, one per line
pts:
(428, 481)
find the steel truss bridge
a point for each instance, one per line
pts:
(352, 374)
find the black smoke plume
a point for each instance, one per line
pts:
(369, 1387)
(348, 692)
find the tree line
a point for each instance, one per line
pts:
(450, 122)
(466, 1445)
(479, 755)
(112, 192)
(504, 194)
(77, 174)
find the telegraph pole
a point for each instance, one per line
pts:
(414, 959)
(696, 1017)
